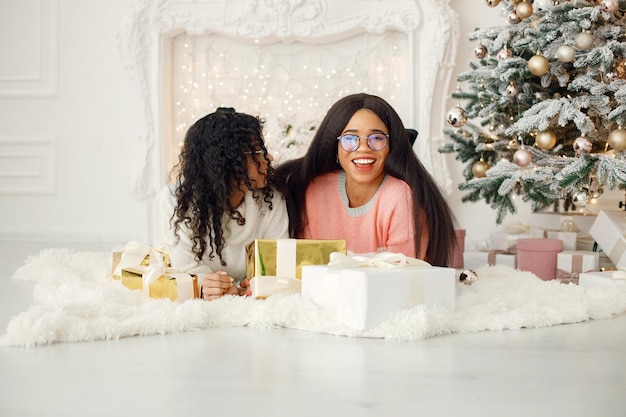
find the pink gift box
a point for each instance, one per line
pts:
(569, 238)
(539, 256)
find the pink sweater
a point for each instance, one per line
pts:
(385, 223)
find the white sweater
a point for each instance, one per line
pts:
(261, 223)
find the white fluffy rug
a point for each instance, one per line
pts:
(75, 300)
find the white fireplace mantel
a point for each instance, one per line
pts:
(430, 28)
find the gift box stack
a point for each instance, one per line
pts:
(559, 247)
(609, 231)
(553, 246)
(359, 290)
(148, 269)
(501, 248)
(274, 266)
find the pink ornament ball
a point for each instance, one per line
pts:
(522, 157)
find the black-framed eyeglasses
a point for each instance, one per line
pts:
(375, 141)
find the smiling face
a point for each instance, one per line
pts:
(364, 166)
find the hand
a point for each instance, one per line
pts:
(216, 284)
(244, 289)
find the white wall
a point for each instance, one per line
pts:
(91, 112)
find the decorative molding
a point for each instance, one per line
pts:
(28, 166)
(44, 78)
(430, 26)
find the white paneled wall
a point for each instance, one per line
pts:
(72, 149)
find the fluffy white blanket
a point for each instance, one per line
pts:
(76, 300)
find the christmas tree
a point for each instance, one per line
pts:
(541, 114)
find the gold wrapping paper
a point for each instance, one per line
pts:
(116, 257)
(261, 255)
(164, 287)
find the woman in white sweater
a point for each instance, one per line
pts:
(223, 198)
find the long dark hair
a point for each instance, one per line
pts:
(212, 164)
(401, 163)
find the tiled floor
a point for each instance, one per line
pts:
(569, 370)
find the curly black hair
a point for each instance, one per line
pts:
(401, 163)
(212, 167)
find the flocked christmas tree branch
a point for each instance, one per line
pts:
(541, 111)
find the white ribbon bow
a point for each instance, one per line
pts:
(134, 253)
(515, 228)
(619, 275)
(155, 270)
(383, 259)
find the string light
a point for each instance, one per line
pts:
(286, 83)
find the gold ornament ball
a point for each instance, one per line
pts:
(621, 70)
(546, 139)
(492, 3)
(503, 54)
(538, 65)
(533, 23)
(566, 53)
(479, 169)
(617, 139)
(584, 41)
(524, 9)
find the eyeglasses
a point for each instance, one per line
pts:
(259, 152)
(375, 141)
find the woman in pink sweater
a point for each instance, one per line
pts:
(361, 181)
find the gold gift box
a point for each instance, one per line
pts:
(164, 287)
(261, 255)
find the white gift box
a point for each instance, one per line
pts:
(570, 222)
(608, 231)
(569, 239)
(503, 241)
(476, 259)
(602, 279)
(363, 297)
(570, 264)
